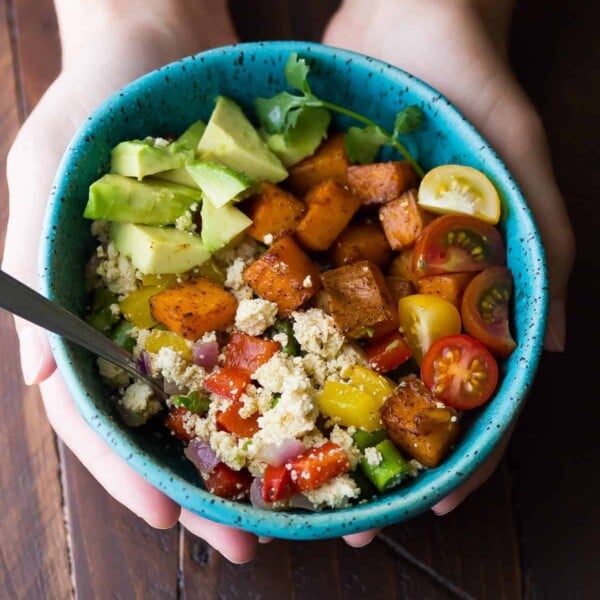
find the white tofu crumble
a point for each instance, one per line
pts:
(115, 376)
(255, 316)
(234, 280)
(337, 493)
(117, 272)
(137, 404)
(317, 332)
(373, 456)
(185, 222)
(175, 369)
(268, 239)
(344, 439)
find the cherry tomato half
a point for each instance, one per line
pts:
(451, 244)
(459, 190)
(424, 318)
(460, 371)
(485, 309)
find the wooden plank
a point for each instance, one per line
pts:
(33, 554)
(115, 554)
(38, 47)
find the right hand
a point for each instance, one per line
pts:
(94, 69)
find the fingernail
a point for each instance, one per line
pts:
(554, 340)
(30, 344)
(264, 540)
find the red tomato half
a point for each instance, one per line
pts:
(227, 483)
(387, 353)
(460, 371)
(484, 310)
(247, 352)
(453, 244)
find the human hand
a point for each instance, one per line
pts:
(459, 47)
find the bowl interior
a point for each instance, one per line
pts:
(165, 102)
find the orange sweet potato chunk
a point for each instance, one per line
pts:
(361, 241)
(273, 212)
(450, 286)
(400, 287)
(330, 209)
(417, 425)
(193, 308)
(359, 300)
(328, 162)
(284, 274)
(403, 220)
(378, 183)
(401, 266)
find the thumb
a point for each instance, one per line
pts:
(37, 362)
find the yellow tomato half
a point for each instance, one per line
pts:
(459, 190)
(425, 318)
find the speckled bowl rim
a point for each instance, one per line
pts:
(388, 509)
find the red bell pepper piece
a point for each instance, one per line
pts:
(228, 382)
(175, 422)
(387, 353)
(230, 420)
(247, 352)
(227, 483)
(277, 484)
(318, 465)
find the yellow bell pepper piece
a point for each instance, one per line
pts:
(372, 383)
(349, 406)
(136, 307)
(159, 338)
(163, 281)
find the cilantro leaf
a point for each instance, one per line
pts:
(193, 402)
(363, 144)
(407, 120)
(276, 114)
(296, 73)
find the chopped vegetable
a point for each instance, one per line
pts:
(318, 465)
(248, 352)
(231, 421)
(388, 353)
(361, 241)
(228, 382)
(350, 406)
(365, 439)
(379, 183)
(449, 286)
(194, 402)
(391, 469)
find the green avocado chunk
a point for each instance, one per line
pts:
(302, 141)
(219, 183)
(180, 176)
(221, 225)
(188, 141)
(149, 202)
(156, 250)
(231, 139)
(140, 158)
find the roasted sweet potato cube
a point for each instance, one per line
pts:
(400, 287)
(401, 266)
(415, 422)
(273, 212)
(403, 220)
(328, 162)
(284, 274)
(361, 241)
(360, 301)
(378, 183)
(193, 308)
(330, 209)
(450, 286)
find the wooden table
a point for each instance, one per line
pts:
(530, 532)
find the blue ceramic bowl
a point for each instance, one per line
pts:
(166, 101)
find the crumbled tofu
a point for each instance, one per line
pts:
(185, 222)
(373, 456)
(255, 316)
(281, 338)
(115, 309)
(336, 493)
(261, 396)
(317, 332)
(117, 272)
(209, 336)
(137, 404)
(249, 405)
(177, 370)
(414, 466)
(268, 239)
(307, 283)
(235, 283)
(321, 370)
(113, 375)
(344, 439)
(160, 142)
(100, 230)
(229, 449)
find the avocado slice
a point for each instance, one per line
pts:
(232, 140)
(221, 225)
(180, 176)
(154, 250)
(140, 158)
(301, 141)
(149, 202)
(188, 141)
(219, 183)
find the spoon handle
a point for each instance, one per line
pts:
(25, 302)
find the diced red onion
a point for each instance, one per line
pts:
(205, 354)
(202, 455)
(144, 363)
(278, 454)
(256, 498)
(300, 501)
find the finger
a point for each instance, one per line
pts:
(450, 502)
(235, 545)
(358, 540)
(37, 362)
(120, 480)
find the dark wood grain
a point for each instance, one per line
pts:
(33, 550)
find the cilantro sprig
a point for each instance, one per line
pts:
(280, 114)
